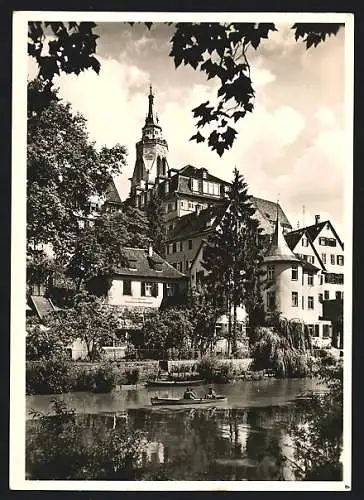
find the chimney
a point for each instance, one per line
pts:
(150, 250)
(317, 219)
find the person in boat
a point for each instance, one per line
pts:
(189, 394)
(211, 394)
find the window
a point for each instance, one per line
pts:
(331, 242)
(191, 205)
(195, 185)
(326, 294)
(271, 301)
(340, 260)
(338, 295)
(149, 289)
(310, 303)
(310, 330)
(323, 258)
(304, 242)
(211, 188)
(167, 249)
(310, 279)
(303, 302)
(174, 247)
(320, 297)
(294, 272)
(127, 287)
(189, 244)
(317, 331)
(321, 279)
(332, 259)
(311, 259)
(187, 265)
(322, 241)
(180, 246)
(294, 299)
(270, 272)
(326, 331)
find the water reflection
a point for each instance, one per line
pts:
(179, 444)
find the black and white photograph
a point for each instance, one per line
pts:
(181, 248)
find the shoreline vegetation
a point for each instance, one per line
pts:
(58, 375)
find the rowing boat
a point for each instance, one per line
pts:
(157, 401)
(168, 383)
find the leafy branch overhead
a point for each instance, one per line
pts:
(220, 50)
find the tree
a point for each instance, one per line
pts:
(220, 50)
(89, 320)
(233, 254)
(99, 249)
(63, 170)
(168, 329)
(204, 315)
(157, 223)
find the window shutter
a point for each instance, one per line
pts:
(155, 290)
(143, 289)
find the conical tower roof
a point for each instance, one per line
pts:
(278, 250)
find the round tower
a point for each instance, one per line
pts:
(282, 292)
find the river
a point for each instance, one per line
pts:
(243, 439)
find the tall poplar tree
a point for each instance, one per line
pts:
(232, 256)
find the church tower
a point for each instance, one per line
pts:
(151, 154)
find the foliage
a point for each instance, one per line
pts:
(132, 376)
(49, 376)
(63, 169)
(99, 249)
(63, 446)
(157, 223)
(102, 379)
(43, 343)
(203, 314)
(233, 254)
(89, 320)
(213, 370)
(318, 438)
(170, 328)
(219, 50)
(287, 350)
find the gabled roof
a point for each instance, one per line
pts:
(196, 223)
(141, 265)
(111, 194)
(312, 232)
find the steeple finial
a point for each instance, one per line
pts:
(150, 116)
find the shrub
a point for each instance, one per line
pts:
(132, 376)
(49, 376)
(103, 379)
(213, 370)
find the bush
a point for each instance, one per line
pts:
(131, 353)
(213, 370)
(103, 379)
(49, 376)
(132, 376)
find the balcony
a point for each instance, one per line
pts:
(334, 278)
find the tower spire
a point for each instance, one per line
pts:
(150, 117)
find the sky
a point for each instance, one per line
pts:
(292, 147)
